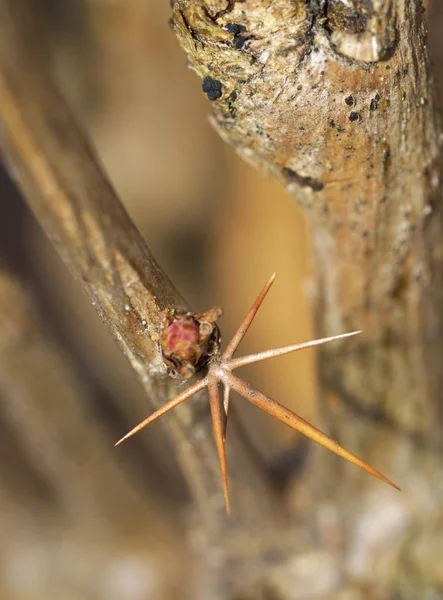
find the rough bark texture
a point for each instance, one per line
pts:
(336, 100)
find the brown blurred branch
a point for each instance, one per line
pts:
(48, 406)
(61, 179)
(64, 479)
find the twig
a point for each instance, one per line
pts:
(62, 181)
(220, 372)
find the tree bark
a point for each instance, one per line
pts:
(337, 101)
(61, 179)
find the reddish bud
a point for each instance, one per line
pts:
(181, 338)
(189, 340)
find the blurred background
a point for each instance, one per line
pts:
(79, 519)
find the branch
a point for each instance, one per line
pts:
(336, 101)
(63, 183)
(57, 474)
(48, 408)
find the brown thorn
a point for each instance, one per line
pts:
(241, 331)
(226, 392)
(295, 422)
(218, 427)
(242, 361)
(190, 391)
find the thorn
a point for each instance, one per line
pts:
(218, 428)
(226, 392)
(190, 391)
(242, 361)
(292, 420)
(241, 331)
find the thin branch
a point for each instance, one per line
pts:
(61, 179)
(220, 372)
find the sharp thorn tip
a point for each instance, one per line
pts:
(121, 440)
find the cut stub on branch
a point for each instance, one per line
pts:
(189, 340)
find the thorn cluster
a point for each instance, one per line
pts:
(220, 371)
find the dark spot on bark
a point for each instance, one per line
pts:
(212, 88)
(386, 158)
(340, 16)
(239, 42)
(233, 96)
(294, 177)
(400, 287)
(234, 28)
(349, 100)
(374, 103)
(332, 123)
(354, 116)
(232, 109)
(340, 129)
